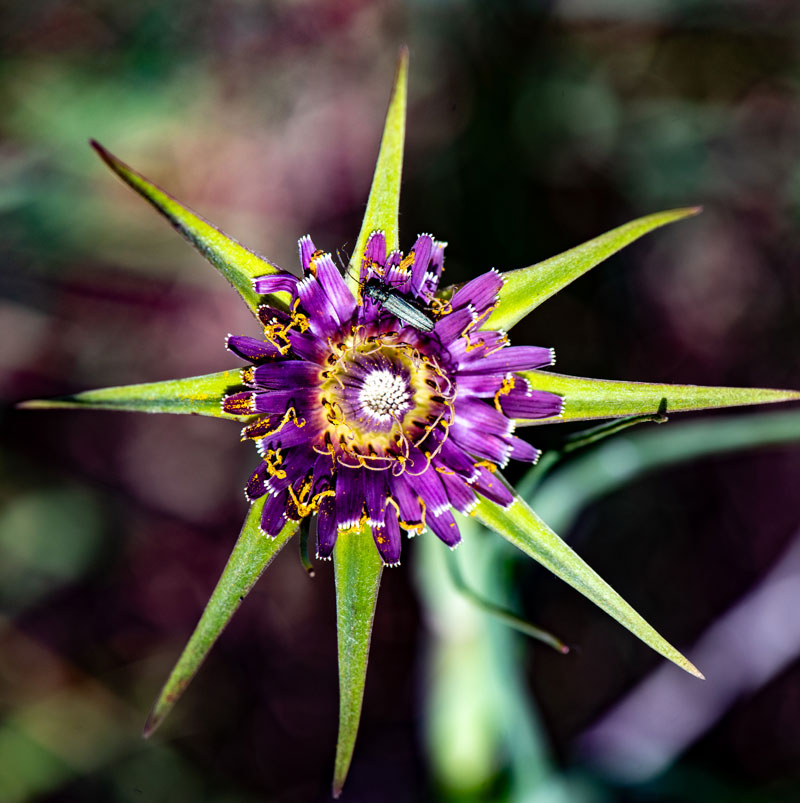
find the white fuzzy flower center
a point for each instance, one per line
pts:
(385, 395)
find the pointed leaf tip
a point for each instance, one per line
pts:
(519, 525)
(384, 194)
(239, 265)
(251, 555)
(194, 395)
(525, 289)
(586, 398)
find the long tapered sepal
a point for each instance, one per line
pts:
(357, 568)
(252, 554)
(525, 289)
(519, 525)
(604, 398)
(384, 194)
(195, 395)
(239, 265)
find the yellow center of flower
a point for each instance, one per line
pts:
(381, 396)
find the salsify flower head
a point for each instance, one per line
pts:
(381, 402)
(365, 419)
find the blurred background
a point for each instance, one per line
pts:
(533, 126)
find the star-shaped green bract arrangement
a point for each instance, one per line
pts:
(380, 402)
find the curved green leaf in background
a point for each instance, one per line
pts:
(594, 472)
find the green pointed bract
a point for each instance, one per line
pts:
(252, 554)
(357, 569)
(519, 525)
(195, 395)
(238, 264)
(526, 288)
(605, 398)
(384, 195)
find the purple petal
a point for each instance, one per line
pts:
(256, 487)
(417, 462)
(249, 348)
(478, 345)
(399, 279)
(492, 487)
(321, 315)
(480, 293)
(275, 283)
(459, 492)
(422, 250)
(279, 401)
(349, 497)
(288, 436)
(308, 347)
(407, 500)
(445, 527)
(326, 527)
(455, 459)
(375, 497)
(273, 517)
(322, 473)
(522, 450)
(335, 287)
(482, 417)
(450, 327)
(431, 283)
(258, 429)
(508, 360)
(269, 315)
(525, 402)
(239, 403)
(478, 385)
(374, 253)
(295, 466)
(306, 248)
(287, 374)
(489, 447)
(387, 539)
(428, 486)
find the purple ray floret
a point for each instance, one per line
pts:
(362, 418)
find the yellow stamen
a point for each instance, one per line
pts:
(505, 389)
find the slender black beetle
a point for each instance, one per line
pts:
(408, 312)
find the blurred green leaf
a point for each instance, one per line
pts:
(252, 554)
(384, 195)
(237, 264)
(462, 728)
(524, 529)
(562, 495)
(606, 398)
(526, 288)
(357, 569)
(195, 395)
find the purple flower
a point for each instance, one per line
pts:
(384, 404)
(364, 419)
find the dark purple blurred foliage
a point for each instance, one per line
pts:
(532, 127)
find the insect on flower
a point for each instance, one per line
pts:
(410, 312)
